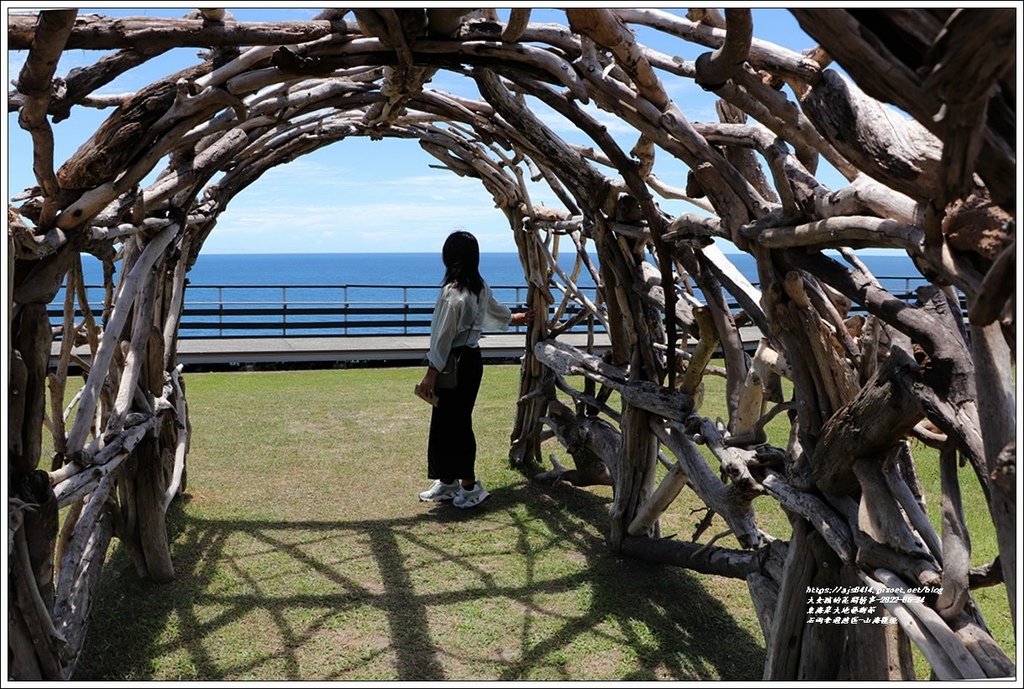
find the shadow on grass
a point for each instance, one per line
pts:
(662, 621)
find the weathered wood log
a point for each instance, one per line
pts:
(733, 462)
(708, 559)
(31, 339)
(966, 666)
(94, 32)
(938, 184)
(604, 29)
(995, 294)
(879, 517)
(878, 650)
(31, 539)
(177, 483)
(821, 644)
(735, 506)
(996, 411)
(764, 588)
(17, 389)
(864, 196)
(124, 135)
(37, 282)
(732, 350)
(592, 442)
(692, 383)
(962, 120)
(859, 232)
(666, 492)
(669, 404)
(135, 361)
(978, 641)
(831, 526)
(791, 609)
(26, 244)
(716, 68)
(761, 384)
(907, 501)
(956, 545)
(895, 150)
(655, 294)
(737, 284)
(150, 489)
(634, 477)
(943, 667)
(812, 410)
(882, 414)
(74, 481)
(80, 574)
(37, 646)
(129, 289)
(47, 42)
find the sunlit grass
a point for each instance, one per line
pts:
(302, 553)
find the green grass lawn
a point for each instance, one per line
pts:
(302, 553)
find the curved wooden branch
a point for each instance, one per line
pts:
(735, 507)
(716, 68)
(858, 232)
(271, 93)
(518, 20)
(738, 564)
(823, 518)
(963, 664)
(48, 41)
(606, 30)
(883, 413)
(129, 289)
(995, 294)
(94, 32)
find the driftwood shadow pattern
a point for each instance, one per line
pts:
(922, 131)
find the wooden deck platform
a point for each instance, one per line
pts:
(383, 349)
(410, 350)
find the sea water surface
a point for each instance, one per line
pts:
(374, 280)
(420, 269)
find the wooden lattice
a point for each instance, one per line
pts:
(922, 129)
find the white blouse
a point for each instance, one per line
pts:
(460, 317)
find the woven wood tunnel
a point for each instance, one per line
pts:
(915, 110)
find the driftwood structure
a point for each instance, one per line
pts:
(915, 108)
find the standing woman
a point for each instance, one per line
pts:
(465, 308)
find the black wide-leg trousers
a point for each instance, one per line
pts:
(451, 445)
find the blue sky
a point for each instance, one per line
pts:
(360, 195)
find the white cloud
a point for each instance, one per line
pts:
(316, 208)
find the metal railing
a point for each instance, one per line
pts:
(342, 310)
(315, 310)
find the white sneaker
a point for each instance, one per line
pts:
(439, 491)
(470, 497)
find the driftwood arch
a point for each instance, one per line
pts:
(937, 182)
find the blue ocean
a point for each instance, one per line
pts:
(371, 281)
(420, 269)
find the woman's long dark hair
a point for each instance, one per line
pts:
(461, 256)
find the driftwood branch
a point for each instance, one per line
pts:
(738, 564)
(920, 131)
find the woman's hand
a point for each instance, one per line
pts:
(428, 382)
(523, 317)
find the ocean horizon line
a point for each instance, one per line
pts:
(726, 251)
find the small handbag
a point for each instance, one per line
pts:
(448, 378)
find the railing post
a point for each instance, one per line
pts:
(222, 309)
